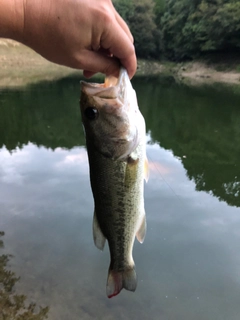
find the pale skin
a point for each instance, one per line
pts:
(81, 34)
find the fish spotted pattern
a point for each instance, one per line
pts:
(115, 139)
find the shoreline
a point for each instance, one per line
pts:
(192, 73)
(21, 66)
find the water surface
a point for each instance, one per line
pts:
(189, 265)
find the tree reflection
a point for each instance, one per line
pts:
(13, 306)
(200, 125)
(46, 114)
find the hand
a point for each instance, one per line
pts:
(82, 34)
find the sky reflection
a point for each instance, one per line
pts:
(188, 266)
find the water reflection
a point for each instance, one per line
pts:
(188, 267)
(13, 305)
(200, 125)
(51, 119)
(202, 128)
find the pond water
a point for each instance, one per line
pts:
(189, 265)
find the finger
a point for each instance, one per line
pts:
(92, 62)
(124, 26)
(105, 52)
(121, 47)
(130, 64)
(88, 74)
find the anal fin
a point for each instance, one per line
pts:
(98, 236)
(140, 235)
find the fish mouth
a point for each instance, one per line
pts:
(116, 133)
(112, 88)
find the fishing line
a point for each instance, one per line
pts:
(163, 178)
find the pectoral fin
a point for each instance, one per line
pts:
(140, 235)
(98, 236)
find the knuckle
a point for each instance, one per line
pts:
(106, 18)
(104, 14)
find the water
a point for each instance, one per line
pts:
(189, 265)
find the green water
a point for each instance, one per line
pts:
(189, 265)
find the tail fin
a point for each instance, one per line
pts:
(117, 280)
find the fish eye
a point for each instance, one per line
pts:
(91, 113)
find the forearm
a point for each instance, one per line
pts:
(11, 19)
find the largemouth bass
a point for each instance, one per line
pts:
(115, 140)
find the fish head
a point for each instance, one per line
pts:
(111, 116)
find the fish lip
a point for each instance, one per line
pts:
(115, 88)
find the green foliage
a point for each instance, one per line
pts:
(144, 28)
(182, 28)
(159, 8)
(192, 27)
(140, 17)
(125, 9)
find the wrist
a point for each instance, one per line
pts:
(11, 19)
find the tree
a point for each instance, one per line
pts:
(125, 8)
(140, 17)
(192, 27)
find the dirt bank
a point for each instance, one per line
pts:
(20, 65)
(198, 72)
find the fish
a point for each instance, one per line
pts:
(115, 134)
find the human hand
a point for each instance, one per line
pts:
(82, 34)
